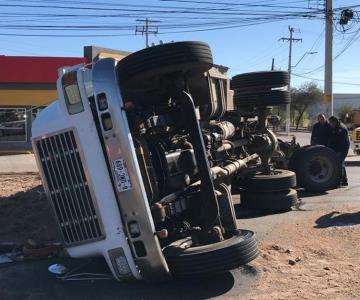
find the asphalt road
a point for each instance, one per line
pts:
(303, 138)
(32, 281)
(334, 199)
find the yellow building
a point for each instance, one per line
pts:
(27, 85)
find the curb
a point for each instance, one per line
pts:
(19, 173)
(350, 163)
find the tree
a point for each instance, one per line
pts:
(344, 113)
(304, 97)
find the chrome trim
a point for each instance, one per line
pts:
(119, 144)
(68, 186)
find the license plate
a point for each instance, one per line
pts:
(122, 178)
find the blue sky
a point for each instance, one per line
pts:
(243, 49)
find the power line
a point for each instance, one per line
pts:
(235, 4)
(219, 16)
(317, 79)
(350, 42)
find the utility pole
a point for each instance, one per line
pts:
(273, 64)
(145, 29)
(290, 39)
(328, 95)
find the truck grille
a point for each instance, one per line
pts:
(68, 188)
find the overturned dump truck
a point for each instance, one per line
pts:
(140, 158)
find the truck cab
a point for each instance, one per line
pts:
(355, 139)
(129, 178)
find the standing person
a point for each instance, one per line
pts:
(321, 131)
(340, 143)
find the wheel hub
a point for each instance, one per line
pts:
(315, 168)
(320, 169)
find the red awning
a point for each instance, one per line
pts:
(33, 69)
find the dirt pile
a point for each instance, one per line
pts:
(25, 212)
(315, 259)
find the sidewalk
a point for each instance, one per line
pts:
(18, 163)
(352, 160)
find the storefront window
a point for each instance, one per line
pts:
(35, 111)
(12, 124)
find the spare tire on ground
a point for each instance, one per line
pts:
(279, 180)
(317, 168)
(146, 67)
(269, 202)
(185, 260)
(294, 158)
(260, 80)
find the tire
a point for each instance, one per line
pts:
(269, 202)
(294, 161)
(318, 169)
(261, 98)
(258, 80)
(280, 181)
(145, 67)
(202, 261)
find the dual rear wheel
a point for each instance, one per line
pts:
(260, 89)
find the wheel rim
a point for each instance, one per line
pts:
(320, 169)
(186, 243)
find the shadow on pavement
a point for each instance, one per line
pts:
(336, 219)
(305, 194)
(245, 213)
(31, 280)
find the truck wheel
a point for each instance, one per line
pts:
(269, 202)
(260, 80)
(318, 169)
(185, 260)
(278, 181)
(145, 67)
(261, 98)
(294, 158)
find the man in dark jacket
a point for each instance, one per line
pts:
(340, 143)
(321, 131)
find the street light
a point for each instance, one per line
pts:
(306, 53)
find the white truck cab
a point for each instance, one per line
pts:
(111, 199)
(87, 199)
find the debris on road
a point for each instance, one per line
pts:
(292, 262)
(33, 250)
(4, 259)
